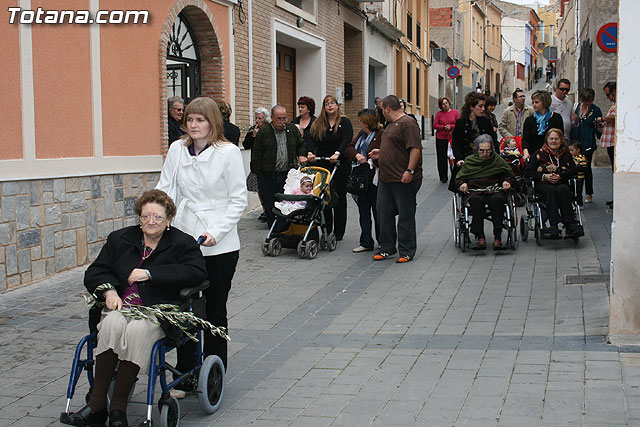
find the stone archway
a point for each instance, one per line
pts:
(205, 31)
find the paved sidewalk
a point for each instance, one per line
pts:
(476, 338)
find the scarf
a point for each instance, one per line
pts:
(475, 167)
(364, 141)
(561, 160)
(542, 121)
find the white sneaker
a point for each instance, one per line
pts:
(178, 394)
(361, 249)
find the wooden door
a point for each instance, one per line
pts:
(286, 79)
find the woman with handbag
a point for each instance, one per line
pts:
(585, 130)
(358, 152)
(204, 175)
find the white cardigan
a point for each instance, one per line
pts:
(212, 193)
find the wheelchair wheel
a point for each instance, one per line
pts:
(456, 223)
(513, 238)
(537, 232)
(211, 384)
(275, 247)
(464, 241)
(170, 413)
(311, 250)
(524, 228)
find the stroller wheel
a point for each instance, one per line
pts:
(275, 247)
(311, 250)
(332, 242)
(301, 248)
(265, 249)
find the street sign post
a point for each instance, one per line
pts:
(607, 37)
(453, 72)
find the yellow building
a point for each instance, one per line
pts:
(473, 18)
(493, 49)
(547, 31)
(411, 55)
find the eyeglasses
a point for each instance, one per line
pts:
(564, 89)
(329, 103)
(177, 109)
(485, 151)
(147, 218)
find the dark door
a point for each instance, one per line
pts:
(286, 79)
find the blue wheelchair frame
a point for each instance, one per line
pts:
(535, 215)
(169, 406)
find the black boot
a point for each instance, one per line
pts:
(118, 418)
(85, 417)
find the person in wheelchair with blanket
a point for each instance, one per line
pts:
(551, 168)
(483, 181)
(139, 266)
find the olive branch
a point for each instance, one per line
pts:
(169, 312)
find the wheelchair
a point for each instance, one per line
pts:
(462, 222)
(535, 216)
(208, 376)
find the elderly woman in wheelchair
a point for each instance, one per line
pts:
(139, 266)
(550, 169)
(483, 181)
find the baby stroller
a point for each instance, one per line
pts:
(304, 228)
(514, 159)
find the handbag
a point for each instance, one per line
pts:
(359, 179)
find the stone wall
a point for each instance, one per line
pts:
(51, 225)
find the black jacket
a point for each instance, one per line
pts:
(175, 132)
(307, 131)
(231, 132)
(530, 138)
(176, 263)
(265, 149)
(463, 136)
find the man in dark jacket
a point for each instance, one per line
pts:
(277, 149)
(176, 109)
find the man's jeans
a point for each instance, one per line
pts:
(396, 198)
(268, 186)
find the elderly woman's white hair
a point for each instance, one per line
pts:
(265, 113)
(482, 138)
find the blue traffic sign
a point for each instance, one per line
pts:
(607, 37)
(453, 72)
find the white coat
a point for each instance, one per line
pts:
(212, 193)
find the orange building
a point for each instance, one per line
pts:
(85, 117)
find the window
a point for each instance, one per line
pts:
(457, 26)
(409, 26)
(418, 86)
(306, 9)
(183, 61)
(408, 82)
(418, 35)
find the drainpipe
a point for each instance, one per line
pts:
(577, 51)
(250, 34)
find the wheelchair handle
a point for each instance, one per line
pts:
(187, 293)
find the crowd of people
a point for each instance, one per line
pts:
(188, 224)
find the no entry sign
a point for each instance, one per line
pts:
(607, 37)
(453, 72)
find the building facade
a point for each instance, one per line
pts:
(85, 116)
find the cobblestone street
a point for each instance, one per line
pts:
(451, 338)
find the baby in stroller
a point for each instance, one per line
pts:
(305, 188)
(511, 152)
